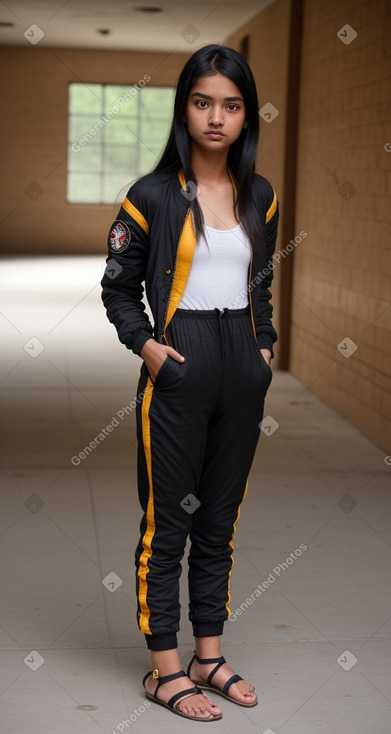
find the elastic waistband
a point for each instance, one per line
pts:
(198, 313)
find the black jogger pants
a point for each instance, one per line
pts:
(197, 431)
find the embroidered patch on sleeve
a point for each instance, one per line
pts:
(119, 237)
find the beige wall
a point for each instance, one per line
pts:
(341, 271)
(33, 133)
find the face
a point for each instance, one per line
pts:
(215, 112)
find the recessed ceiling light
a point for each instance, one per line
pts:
(148, 9)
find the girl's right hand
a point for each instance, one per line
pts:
(154, 354)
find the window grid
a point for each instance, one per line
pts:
(86, 183)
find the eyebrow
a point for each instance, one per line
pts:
(226, 99)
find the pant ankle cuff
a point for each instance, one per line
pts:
(207, 629)
(166, 641)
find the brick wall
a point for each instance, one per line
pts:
(341, 271)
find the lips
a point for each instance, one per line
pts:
(215, 135)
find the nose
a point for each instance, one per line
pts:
(216, 116)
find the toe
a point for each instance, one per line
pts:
(200, 709)
(193, 710)
(249, 697)
(216, 709)
(246, 696)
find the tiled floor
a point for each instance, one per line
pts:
(315, 643)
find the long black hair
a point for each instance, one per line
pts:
(207, 61)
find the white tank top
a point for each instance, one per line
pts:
(219, 271)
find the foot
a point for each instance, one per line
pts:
(195, 705)
(240, 691)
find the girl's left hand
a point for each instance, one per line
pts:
(267, 355)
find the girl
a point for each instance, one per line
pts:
(200, 231)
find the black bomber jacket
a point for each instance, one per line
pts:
(152, 241)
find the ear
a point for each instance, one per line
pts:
(245, 124)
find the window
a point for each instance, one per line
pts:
(115, 135)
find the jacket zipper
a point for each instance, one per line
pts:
(172, 281)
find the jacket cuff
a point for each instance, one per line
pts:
(265, 341)
(138, 341)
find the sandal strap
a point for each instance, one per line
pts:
(166, 678)
(207, 661)
(182, 694)
(233, 679)
(220, 661)
(215, 669)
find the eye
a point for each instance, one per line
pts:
(202, 101)
(235, 106)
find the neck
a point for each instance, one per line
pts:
(209, 167)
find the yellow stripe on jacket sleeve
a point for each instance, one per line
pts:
(135, 214)
(272, 208)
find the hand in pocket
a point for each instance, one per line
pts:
(154, 354)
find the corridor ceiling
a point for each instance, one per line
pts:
(145, 25)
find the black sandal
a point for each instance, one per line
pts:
(182, 694)
(208, 685)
